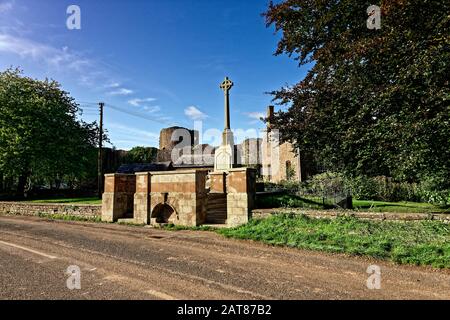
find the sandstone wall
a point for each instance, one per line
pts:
(240, 195)
(34, 209)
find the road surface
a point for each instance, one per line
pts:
(125, 262)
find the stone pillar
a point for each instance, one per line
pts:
(117, 200)
(142, 198)
(241, 191)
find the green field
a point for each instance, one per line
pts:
(418, 243)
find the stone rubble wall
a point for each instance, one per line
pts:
(92, 211)
(35, 209)
(321, 214)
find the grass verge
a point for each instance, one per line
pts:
(294, 201)
(400, 207)
(418, 243)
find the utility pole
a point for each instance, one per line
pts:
(100, 153)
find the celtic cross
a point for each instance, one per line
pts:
(226, 86)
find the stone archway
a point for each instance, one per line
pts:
(163, 214)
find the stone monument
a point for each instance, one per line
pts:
(185, 197)
(224, 157)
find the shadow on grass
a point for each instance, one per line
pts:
(290, 201)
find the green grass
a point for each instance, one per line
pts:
(68, 217)
(412, 207)
(290, 201)
(418, 243)
(293, 201)
(85, 200)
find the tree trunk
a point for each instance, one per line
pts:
(21, 186)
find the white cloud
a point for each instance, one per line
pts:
(53, 57)
(255, 115)
(152, 109)
(121, 92)
(138, 102)
(56, 59)
(116, 89)
(6, 6)
(113, 85)
(195, 114)
(27, 48)
(83, 69)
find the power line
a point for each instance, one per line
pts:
(137, 114)
(87, 107)
(88, 102)
(94, 106)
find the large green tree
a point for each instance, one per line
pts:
(374, 102)
(141, 155)
(41, 138)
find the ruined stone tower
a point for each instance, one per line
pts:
(177, 138)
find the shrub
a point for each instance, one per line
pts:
(379, 188)
(386, 189)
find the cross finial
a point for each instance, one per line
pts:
(226, 85)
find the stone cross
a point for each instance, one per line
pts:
(226, 86)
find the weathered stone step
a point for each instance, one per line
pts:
(217, 200)
(220, 215)
(217, 211)
(216, 217)
(216, 208)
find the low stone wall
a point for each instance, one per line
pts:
(34, 209)
(264, 213)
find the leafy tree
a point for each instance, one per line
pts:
(375, 102)
(40, 136)
(141, 155)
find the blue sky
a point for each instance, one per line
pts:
(159, 61)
